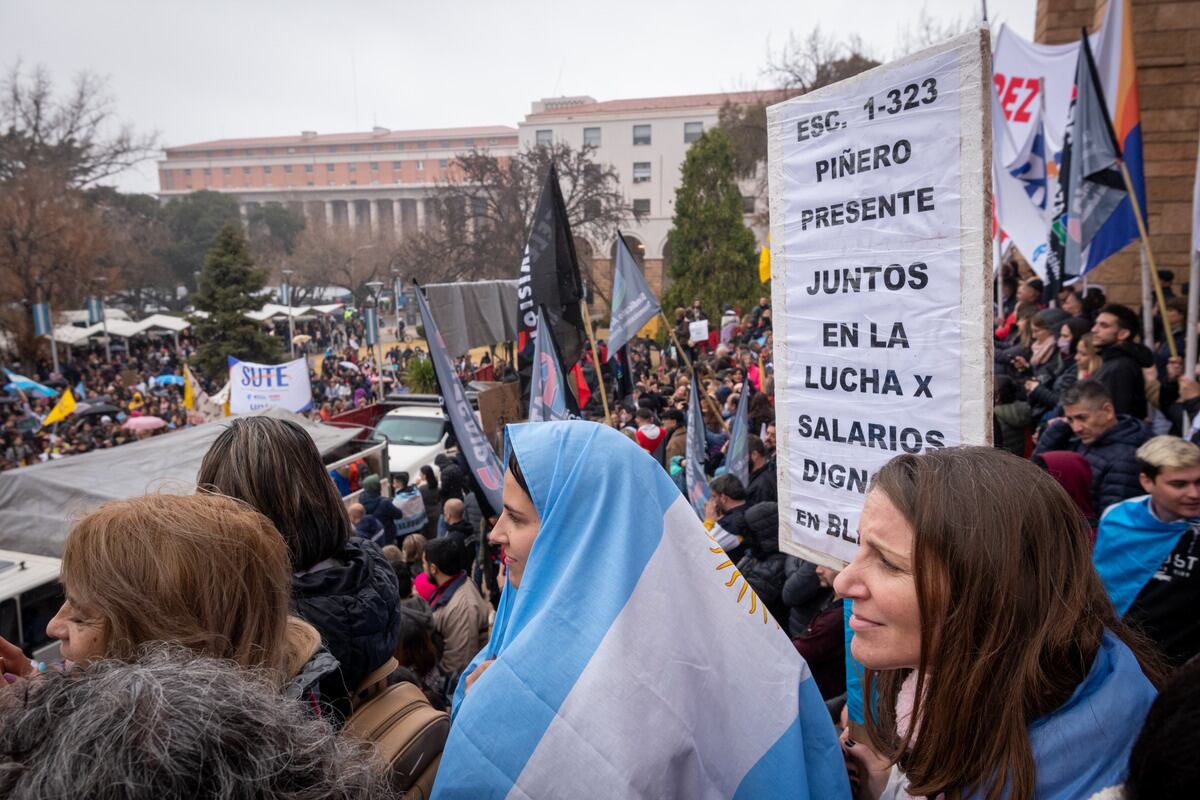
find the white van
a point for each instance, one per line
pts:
(30, 596)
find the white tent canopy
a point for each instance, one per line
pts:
(125, 328)
(39, 504)
(75, 317)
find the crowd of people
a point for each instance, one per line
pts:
(1023, 617)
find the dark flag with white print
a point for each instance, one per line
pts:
(485, 466)
(550, 278)
(697, 486)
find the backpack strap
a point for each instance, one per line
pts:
(375, 683)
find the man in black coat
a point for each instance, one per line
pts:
(762, 488)
(1109, 441)
(1114, 334)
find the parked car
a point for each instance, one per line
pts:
(30, 596)
(416, 435)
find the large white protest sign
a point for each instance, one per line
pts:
(257, 386)
(881, 270)
(698, 331)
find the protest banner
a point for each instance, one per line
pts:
(881, 281)
(698, 331)
(257, 386)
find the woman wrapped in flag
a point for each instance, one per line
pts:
(629, 658)
(998, 666)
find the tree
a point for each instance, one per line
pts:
(52, 148)
(138, 242)
(327, 255)
(713, 254)
(195, 221)
(482, 215)
(229, 287)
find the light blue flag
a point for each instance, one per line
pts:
(634, 661)
(547, 400)
(16, 381)
(41, 319)
(371, 323)
(737, 456)
(633, 304)
(697, 453)
(285, 294)
(1131, 545)
(471, 439)
(95, 310)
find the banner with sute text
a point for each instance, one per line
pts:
(257, 386)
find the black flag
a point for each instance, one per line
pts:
(550, 278)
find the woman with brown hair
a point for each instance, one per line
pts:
(341, 585)
(203, 571)
(997, 663)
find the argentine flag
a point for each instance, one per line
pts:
(634, 661)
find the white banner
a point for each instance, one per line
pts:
(698, 331)
(881, 281)
(257, 386)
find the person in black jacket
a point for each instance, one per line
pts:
(342, 585)
(380, 507)
(1106, 439)
(762, 488)
(1114, 334)
(763, 564)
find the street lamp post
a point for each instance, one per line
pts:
(287, 299)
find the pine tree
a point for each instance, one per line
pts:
(228, 288)
(713, 253)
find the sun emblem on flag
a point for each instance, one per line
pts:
(744, 589)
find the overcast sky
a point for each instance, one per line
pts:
(210, 69)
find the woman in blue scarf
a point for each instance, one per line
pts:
(997, 664)
(629, 658)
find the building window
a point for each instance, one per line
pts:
(641, 171)
(397, 164)
(492, 141)
(468, 143)
(308, 167)
(443, 163)
(354, 148)
(207, 172)
(187, 172)
(245, 170)
(420, 165)
(591, 136)
(287, 168)
(641, 134)
(543, 138)
(419, 145)
(641, 207)
(444, 143)
(399, 145)
(353, 167)
(291, 149)
(226, 171)
(374, 165)
(354, 183)
(329, 167)
(375, 148)
(748, 203)
(168, 180)
(692, 131)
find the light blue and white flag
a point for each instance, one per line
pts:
(1131, 546)
(481, 458)
(371, 324)
(41, 319)
(697, 453)
(285, 294)
(634, 661)
(16, 381)
(737, 456)
(95, 310)
(633, 304)
(547, 399)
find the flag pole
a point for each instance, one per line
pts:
(1158, 292)
(692, 369)
(587, 326)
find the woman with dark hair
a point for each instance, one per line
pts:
(427, 483)
(1046, 385)
(997, 663)
(341, 584)
(629, 657)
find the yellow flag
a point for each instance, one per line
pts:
(764, 262)
(189, 394)
(62, 409)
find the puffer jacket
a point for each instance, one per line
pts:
(353, 600)
(1114, 467)
(1046, 396)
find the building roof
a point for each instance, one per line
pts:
(558, 106)
(363, 137)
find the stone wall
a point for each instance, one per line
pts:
(1167, 47)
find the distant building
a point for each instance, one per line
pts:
(646, 140)
(380, 178)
